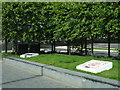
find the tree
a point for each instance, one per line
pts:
(109, 19)
(21, 23)
(57, 20)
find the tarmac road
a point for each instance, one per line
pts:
(16, 77)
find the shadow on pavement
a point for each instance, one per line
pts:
(21, 79)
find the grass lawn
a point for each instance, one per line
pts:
(70, 62)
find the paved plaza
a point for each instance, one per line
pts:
(17, 77)
(96, 52)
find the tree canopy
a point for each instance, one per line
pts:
(38, 21)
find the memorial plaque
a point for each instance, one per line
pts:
(95, 66)
(28, 55)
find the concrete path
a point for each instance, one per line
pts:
(16, 77)
(105, 45)
(0, 73)
(96, 52)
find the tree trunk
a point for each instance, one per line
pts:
(5, 45)
(92, 45)
(81, 49)
(108, 44)
(85, 46)
(22, 41)
(15, 46)
(12, 46)
(33, 38)
(54, 45)
(82, 44)
(119, 48)
(68, 47)
(39, 46)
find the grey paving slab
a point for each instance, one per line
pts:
(15, 77)
(0, 74)
(105, 54)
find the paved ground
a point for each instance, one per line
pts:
(96, 45)
(15, 77)
(0, 73)
(96, 52)
(105, 45)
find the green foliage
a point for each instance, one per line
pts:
(22, 21)
(37, 21)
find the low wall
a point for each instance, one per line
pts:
(73, 78)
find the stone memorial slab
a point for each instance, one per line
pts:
(28, 55)
(95, 66)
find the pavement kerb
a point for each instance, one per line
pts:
(50, 71)
(26, 61)
(84, 75)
